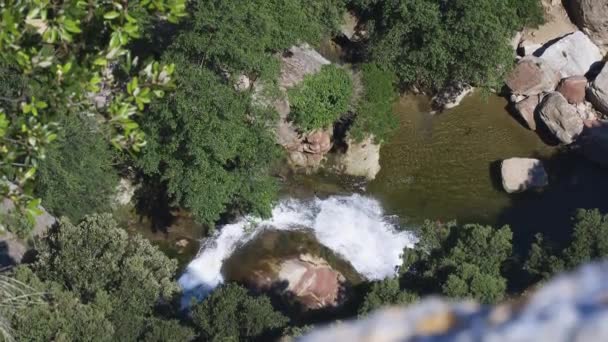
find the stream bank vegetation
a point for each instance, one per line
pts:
(179, 123)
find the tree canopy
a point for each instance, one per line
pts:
(431, 43)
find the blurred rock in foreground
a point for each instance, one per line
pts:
(572, 307)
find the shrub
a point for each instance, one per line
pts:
(321, 98)
(230, 313)
(375, 110)
(77, 178)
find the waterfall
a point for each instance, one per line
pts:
(354, 227)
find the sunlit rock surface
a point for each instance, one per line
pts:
(572, 307)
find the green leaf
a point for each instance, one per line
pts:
(71, 26)
(111, 15)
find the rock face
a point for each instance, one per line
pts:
(298, 62)
(573, 88)
(526, 109)
(573, 55)
(591, 16)
(305, 151)
(361, 159)
(569, 308)
(521, 174)
(560, 117)
(312, 281)
(532, 76)
(598, 92)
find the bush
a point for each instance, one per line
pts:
(375, 110)
(211, 147)
(432, 43)
(231, 314)
(321, 98)
(384, 293)
(100, 264)
(77, 177)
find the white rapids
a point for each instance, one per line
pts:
(354, 227)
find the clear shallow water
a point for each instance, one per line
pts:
(442, 166)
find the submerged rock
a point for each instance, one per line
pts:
(312, 281)
(570, 307)
(573, 55)
(560, 117)
(361, 159)
(532, 76)
(521, 174)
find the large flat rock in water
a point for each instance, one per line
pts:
(521, 174)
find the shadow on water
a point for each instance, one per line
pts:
(574, 183)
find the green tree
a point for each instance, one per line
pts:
(60, 54)
(469, 281)
(219, 32)
(321, 98)
(77, 177)
(384, 293)
(63, 317)
(458, 261)
(211, 146)
(101, 264)
(589, 241)
(231, 314)
(375, 110)
(168, 330)
(432, 43)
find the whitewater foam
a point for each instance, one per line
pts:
(354, 227)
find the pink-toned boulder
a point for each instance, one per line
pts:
(311, 281)
(532, 76)
(573, 88)
(526, 109)
(317, 142)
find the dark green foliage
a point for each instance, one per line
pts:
(459, 261)
(231, 314)
(168, 331)
(17, 223)
(100, 264)
(589, 242)
(211, 146)
(384, 293)
(77, 177)
(62, 318)
(469, 281)
(431, 43)
(375, 110)
(241, 36)
(321, 98)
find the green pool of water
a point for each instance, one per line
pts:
(443, 166)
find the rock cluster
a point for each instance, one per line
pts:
(553, 88)
(569, 308)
